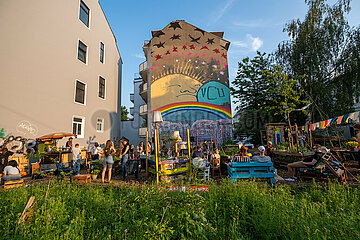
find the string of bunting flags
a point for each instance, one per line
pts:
(347, 118)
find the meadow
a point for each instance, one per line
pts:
(247, 210)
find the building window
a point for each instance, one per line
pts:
(80, 92)
(102, 49)
(102, 87)
(82, 49)
(84, 13)
(78, 126)
(100, 125)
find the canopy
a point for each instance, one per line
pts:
(55, 136)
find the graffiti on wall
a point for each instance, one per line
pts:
(17, 144)
(190, 80)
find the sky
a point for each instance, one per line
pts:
(250, 26)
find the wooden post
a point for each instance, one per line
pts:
(156, 156)
(297, 137)
(188, 140)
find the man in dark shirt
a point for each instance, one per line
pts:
(198, 153)
(4, 158)
(69, 143)
(307, 162)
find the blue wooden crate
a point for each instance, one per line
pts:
(252, 169)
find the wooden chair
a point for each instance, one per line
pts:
(35, 168)
(215, 166)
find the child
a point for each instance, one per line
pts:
(76, 158)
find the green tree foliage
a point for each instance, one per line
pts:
(325, 49)
(250, 91)
(124, 113)
(285, 92)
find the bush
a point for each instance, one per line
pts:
(247, 210)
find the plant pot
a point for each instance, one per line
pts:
(94, 177)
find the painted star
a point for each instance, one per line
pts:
(200, 30)
(184, 47)
(223, 55)
(210, 41)
(194, 39)
(216, 50)
(159, 45)
(204, 47)
(174, 49)
(175, 37)
(167, 52)
(157, 57)
(175, 25)
(158, 34)
(192, 46)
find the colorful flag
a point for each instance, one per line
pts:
(345, 118)
(333, 120)
(327, 122)
(339, 119)
(311, 127)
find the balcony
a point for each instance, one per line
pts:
(142, 132)
(143, 91)
(143, 70)
(143, 110)
(132, 97)
(132, 111)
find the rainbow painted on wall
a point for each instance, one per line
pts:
(223, 112)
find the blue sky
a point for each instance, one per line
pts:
(249, 25)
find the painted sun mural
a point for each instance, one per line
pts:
(189, 69)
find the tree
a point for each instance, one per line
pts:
(250, 91)
(325, 49)
(124, 113)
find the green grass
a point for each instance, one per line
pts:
(246, 211)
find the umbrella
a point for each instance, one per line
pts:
(55, 136)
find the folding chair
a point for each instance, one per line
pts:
(63, 172)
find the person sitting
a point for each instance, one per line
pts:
(198, 153)
(244, 152)
(307, 162)
(262, 157)
(269, 148)
(11, 172)
(215, 154)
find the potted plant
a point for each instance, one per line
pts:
(94, 173)
(351, 145)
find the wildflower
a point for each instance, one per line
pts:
(197, 195)
(326, 230)
(342, 209)
(126, 230)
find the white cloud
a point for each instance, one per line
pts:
(250, 43)
(139, 55)
(223, 10)
(256, 42)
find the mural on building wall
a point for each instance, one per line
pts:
(190, 80)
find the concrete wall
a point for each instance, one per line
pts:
(39, 67)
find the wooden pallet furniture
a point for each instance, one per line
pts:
(13, 183)
(82, 178)
(252, 169)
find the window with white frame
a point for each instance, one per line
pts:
(78, 124)
(84, 13)
(100, 125)
(80, 92)
(101, 87)
(82, 51)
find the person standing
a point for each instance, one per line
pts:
(11, 172)
(69, 143)
(95, 151)
(76, 158)
(124, 157)
(109, 150)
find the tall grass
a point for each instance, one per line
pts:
(247, 210)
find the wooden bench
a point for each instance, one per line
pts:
(252, 169)
(83, 178)
(13, 183)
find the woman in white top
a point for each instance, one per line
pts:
(11, 172)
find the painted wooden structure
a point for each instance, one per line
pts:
(13, 183)
(252, 169)
(170, 169)
(275, 133)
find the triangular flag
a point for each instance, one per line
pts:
(338, 121)
(326, 123)
(322, 124)
(333, 120)
(311, 127)
(345, 118)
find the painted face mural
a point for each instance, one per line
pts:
(190, 80)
